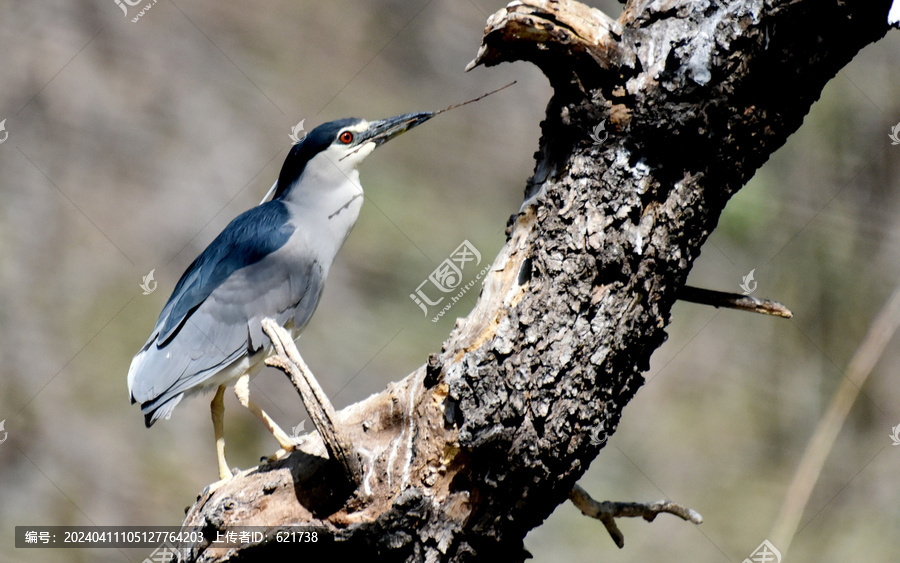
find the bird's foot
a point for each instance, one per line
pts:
(277, 456)
(225, 472)
(213, 487)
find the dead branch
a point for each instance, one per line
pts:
(468, 453)
(287, 358)
(733, 301)
(608, 511)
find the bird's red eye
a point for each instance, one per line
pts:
(346, 137)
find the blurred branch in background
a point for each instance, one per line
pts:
(820, 445)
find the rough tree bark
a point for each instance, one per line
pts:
(464, 456)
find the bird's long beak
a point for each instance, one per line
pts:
(384, 130)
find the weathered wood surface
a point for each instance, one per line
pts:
(465, 455)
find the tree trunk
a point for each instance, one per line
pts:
(463, 457)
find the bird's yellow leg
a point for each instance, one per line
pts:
(242, 390)
(217, 407)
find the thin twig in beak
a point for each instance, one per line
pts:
(446, 109)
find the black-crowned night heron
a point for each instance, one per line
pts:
(270, 261)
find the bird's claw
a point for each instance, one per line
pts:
(213, 487)
(277, 456)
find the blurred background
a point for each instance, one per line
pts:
(132, 144)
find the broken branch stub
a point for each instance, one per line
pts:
(287, 358)
(608, 511)
(734, 301)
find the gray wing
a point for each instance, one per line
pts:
(212, 320)
(224, 329)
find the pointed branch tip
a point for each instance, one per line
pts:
(734, 301)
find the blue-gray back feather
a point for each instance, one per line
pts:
(249, 238)
(213, 317)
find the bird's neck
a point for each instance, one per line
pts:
(327, 206)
